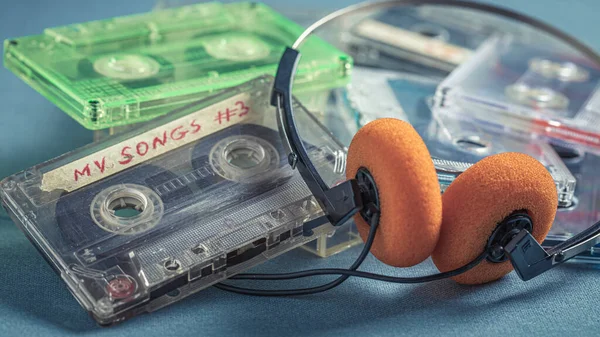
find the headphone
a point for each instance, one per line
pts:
(489, 221)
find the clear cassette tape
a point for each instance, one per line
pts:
(149, 217)
(454, 144)
(528, 89)
(131, 69)
(428, 40)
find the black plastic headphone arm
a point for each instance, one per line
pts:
(340, 202)
(530, 260)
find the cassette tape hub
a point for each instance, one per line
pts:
(526, 89)
(130, 69)
(142, 220)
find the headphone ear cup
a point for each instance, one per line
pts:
(479, 199)
(409, 192)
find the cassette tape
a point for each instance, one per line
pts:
(527, 89)
(454, 144)
(147, 218)
(130, 69)
(428, 40)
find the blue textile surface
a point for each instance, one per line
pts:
(34, 301)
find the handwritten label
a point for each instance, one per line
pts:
(148, 145)
(414, 42)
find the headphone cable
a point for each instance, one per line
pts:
(345, 274)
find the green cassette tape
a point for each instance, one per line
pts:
(131, 69)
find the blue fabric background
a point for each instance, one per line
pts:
(34, 301)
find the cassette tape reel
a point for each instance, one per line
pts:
(131, 69)
(142, 220)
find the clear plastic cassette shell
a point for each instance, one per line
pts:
(131, 69)
(146, 218)
(454, 144)
(528, 89)
(426, 40)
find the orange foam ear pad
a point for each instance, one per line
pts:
(409, 192)
(482, 197)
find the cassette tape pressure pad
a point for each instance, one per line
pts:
(144, 219)
(131, 69)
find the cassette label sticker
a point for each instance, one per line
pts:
(148, 145)
(413, 41)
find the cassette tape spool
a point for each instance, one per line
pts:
(131, 69)
(142, 220)
(454, 144)
(511, 86)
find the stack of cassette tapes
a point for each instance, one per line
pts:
(115, 75)
(131, 69)
(544, 94)
(519, 88)
(456, 141)
(141, 220)
(466, 142)
(454, 144)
